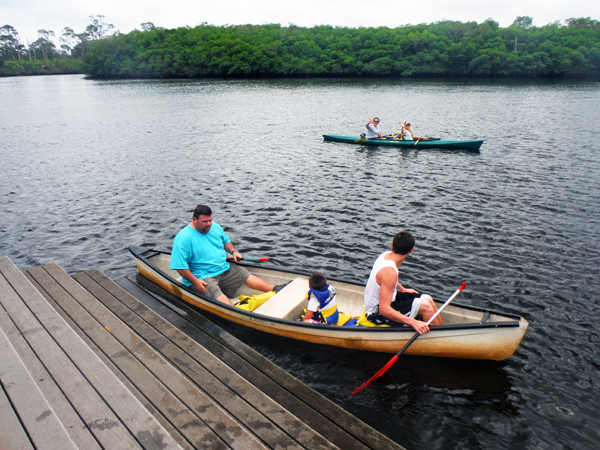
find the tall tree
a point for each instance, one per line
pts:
(97, 29)
(10, 47)
(69, 40)
(523, 22)
(45, 44)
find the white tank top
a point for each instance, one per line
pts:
(372, 289)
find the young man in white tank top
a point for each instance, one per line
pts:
(387, 301)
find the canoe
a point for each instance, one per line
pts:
(434, 143)
(468, 332)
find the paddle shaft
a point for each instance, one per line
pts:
(231, 258)
(419, 139)
(409, 343)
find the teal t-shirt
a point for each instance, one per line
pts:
(203, 254)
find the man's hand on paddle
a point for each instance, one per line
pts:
(237, 256)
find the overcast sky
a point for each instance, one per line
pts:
(28, 16)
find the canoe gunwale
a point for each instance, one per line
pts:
(137, 253)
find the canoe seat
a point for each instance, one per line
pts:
(289, 303)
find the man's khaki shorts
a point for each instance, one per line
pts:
(228, 282)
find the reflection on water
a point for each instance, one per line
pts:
(90, 167)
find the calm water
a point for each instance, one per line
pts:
(90, 167)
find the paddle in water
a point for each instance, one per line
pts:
(413, 339)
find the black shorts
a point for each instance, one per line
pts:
(402, 303)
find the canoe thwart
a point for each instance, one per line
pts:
(289, 303)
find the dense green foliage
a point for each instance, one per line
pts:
(439, 49)
(40, 67)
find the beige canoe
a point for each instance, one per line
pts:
(468, 332)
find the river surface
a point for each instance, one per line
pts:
(90, 167)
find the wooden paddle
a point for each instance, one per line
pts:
(414, 338)
(359, 140)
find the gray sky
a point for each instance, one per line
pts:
(27, 16)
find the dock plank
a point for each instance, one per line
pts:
(59, 347)
(12, 434)
(79, 432)
(257, 411)
(201, 421)
(43, 427)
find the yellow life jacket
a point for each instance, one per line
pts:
(250, 303)
(367, 323)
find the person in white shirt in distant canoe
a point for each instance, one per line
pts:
(407, 135)
(373, 130)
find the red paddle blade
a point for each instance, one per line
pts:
(263, 259)
(377, 375)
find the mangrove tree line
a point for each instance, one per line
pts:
(445, 48)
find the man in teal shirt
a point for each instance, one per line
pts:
(199, 256)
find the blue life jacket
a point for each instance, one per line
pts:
(327, 303)
(325, 296)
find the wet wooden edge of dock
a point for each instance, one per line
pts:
(187, 383)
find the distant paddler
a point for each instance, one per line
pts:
(406, 134)
(373, 130)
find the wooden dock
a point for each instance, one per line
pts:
(89, 363)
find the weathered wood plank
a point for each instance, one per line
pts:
(35, 413)
(166, 388)
(53, 343)
(333, 422)
(12, 434)
(79, 432)
(205, 369)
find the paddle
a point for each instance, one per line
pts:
(414, 338)
(231, 258)
(419, 139)
(359, 140)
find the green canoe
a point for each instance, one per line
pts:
(433, 143)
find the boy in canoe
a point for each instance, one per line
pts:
(387, 301)
(199, 256)
(321, 297)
